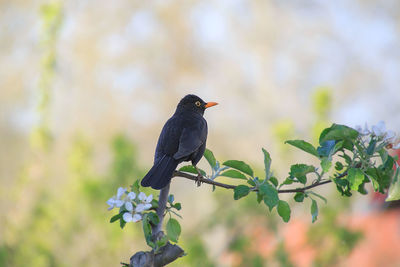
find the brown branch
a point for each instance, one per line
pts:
(165, 254)
(162, 204)
(228, 186)
(302, 189)
(202, 179)
(169, 252)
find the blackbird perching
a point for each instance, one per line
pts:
(183, 138)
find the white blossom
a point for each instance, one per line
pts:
(129, 217)
(388, 137)
(363, 131)
(120, 192)
(115, 201)
(129, 206)
(149, 198)
(145, 199)
(142, 207)
(132, 214)
(145, 202)
(142, 196)
(397, 146)
(131, 196)
(379, 129)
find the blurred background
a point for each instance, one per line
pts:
(85, 87)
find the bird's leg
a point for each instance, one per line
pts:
(198, 177)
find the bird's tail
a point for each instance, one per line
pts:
(161, 173)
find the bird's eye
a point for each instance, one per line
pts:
(198, 103)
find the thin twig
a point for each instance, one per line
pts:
(228, 186)
(202, 179)
(302, 189)
(165, 254)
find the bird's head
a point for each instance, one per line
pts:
(194, 103)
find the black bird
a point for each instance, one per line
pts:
(183, 138)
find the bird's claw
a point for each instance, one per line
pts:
(198, 179)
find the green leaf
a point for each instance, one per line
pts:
(210, 158)
(162, 242)
(288, 181)
(234, 174)
(339, 166)
(299, 197)
(346, 157)
(241, 191)
(251, 182)
(116, 217)
(326, 149)
(338, 132)
(146, 227)
(147, 230)
(259, 197)
(239, 165)
(383, 154)
(326, 164)
(394, 189)
(300, 171)
(173, 230)
(340, 145)
(177, 206)
(389, 163)
(303, 145)
(341, 182)
(274, 181)
(355, 178)
(153, 218)
(318, 195)
(343, 186)
(191, 169)
(267, 163)
(284, 210)
(122, 224)
(269, 194)
(370, 173)
(171, 198)
(362, 190)
(371, 147)
(314, 210)
(154, 203)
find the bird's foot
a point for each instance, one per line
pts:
(198, 181)
(199, 176)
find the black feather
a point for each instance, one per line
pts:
(183, 138)
(161, 173)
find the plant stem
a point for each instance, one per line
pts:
(162, 204)
(229, 186)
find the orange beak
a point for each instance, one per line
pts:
(210, 104)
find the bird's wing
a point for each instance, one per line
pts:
(191, 139)
(168, 142)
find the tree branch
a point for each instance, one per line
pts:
(302, 189)
(169, 252)
(202, 179)
(165, 254)
(162, 204)
(228, 186)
